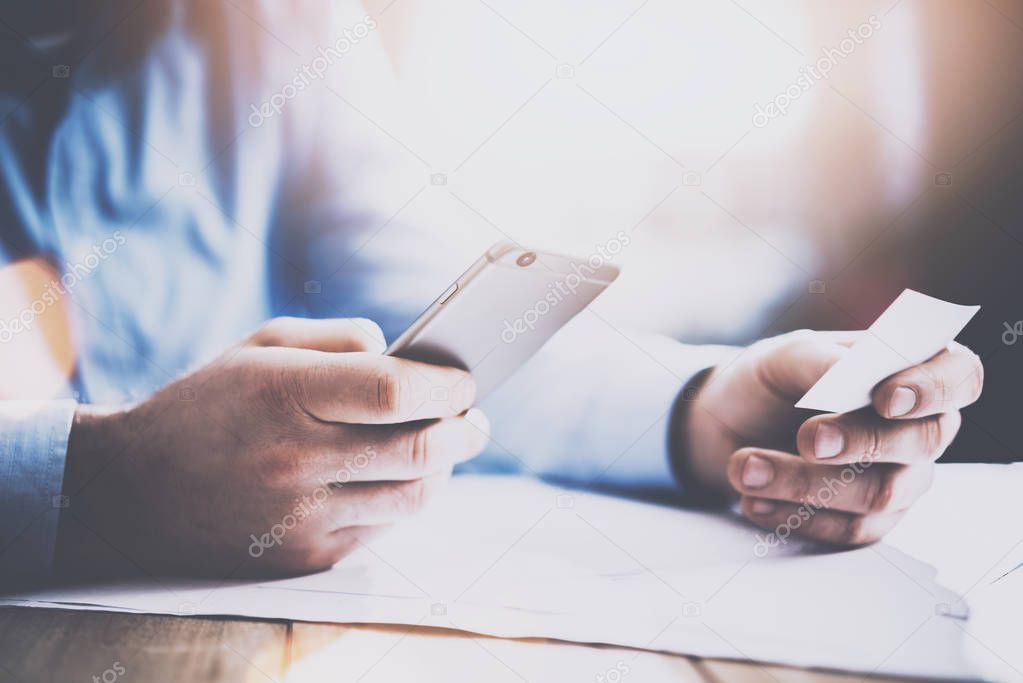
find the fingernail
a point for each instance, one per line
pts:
(902, 401)
(759, 506)
(828, 441)
(757, 472)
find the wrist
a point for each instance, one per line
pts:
(94, 431)
(95, 438)
(692, 443)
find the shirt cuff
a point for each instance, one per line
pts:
(33, 449)
(678, 453)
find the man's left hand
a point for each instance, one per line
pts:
(848, 477)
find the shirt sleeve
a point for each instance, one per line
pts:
(33, 448)
(593, 407)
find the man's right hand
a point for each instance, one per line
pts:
(276, 458)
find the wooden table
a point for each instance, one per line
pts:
(64, 645)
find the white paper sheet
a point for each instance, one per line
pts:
(911, 330)
(995, 632)
(969, 527)
(516, 557)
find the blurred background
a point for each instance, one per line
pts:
(890, 159)
(776, 164)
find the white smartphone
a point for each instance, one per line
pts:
(502, 310)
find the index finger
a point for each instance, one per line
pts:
(373, 389)
(950, 380)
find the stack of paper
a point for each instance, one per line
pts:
(516, 557)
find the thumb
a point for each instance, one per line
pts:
(337, 335)
(793, 363)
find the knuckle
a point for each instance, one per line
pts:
(299, 555)
(283, 394)
(872, 442)
(272, 332)
(419, 450)
(313, 560)
(275, 475)
(855, 531)
(939, 389)
(933, 437)
(317, 550)
(342, 550)
(391, 392)
(318, 557)
(280, 472)
(880, 491)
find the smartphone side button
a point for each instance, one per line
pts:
(448, 293)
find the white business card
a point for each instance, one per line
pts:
(913, 329)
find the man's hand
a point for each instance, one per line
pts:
(276, 458)
(849, 478)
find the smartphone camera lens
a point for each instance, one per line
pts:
(527, 259)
